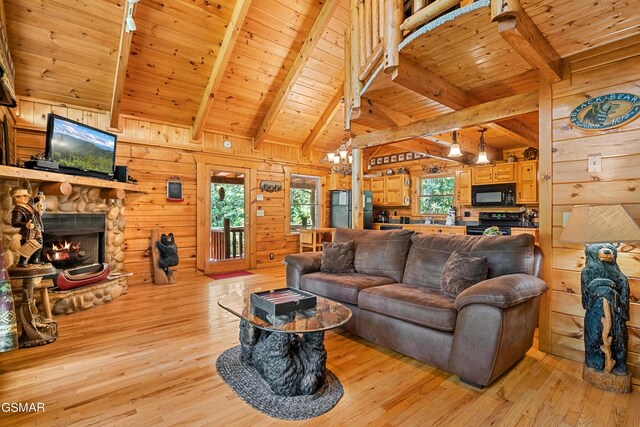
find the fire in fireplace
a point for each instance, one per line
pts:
(65, 254)
(71, 240)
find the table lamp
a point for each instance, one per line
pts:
(605, 291)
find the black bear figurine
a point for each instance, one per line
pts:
(168, 252)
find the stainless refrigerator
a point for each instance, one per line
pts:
(341, 208)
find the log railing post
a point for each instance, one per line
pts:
(227, 241)
(394, 17)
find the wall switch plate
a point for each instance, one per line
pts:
(467, 214)
(565, 218)
(259, 197)
(594, 162)
(259, 212)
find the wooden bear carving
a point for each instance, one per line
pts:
(605, 297)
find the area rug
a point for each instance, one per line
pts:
(229, 275)
(247, 383)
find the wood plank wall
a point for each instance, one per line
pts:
(601, 71)
(155, 151)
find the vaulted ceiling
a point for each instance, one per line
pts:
(272, 70)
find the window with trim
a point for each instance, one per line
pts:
(436, 195)
(304, 201)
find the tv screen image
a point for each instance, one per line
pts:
(80, 149)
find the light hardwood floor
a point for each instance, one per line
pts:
(148, 359)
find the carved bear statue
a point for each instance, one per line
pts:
(605, 297)
(168, 252)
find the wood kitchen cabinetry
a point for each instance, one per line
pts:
(527, 182)
(494, 174)
(391, 190)
(338, 182)
(463, 187)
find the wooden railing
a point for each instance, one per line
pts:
(376, 30)
(227, 243)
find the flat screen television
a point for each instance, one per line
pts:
(80, 149)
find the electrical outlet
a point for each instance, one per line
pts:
(259, 212)
(565, 218)
(272, 255)
(467, 214)
(594, 162)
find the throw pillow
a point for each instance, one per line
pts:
(337, 257)
(462, 271)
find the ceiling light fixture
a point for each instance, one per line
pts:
(455, 147)
(342, 157)
(130, 24)
(482, 153)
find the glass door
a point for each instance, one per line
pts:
(228, 220)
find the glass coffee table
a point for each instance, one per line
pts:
(287, 351)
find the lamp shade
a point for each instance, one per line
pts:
(600, 224)
(455, 151)
(482, 158)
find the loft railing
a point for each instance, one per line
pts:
(226, 243)
(377, 29)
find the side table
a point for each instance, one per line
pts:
(311, 238)
(36, 328)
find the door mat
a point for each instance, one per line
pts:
(229, 275)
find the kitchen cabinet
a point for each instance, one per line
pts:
(493, 174)
(527, 182)
(391, 190)
(339, 182)
(436, 229)
(533, 231)
(463, 187)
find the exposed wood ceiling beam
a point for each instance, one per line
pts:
(434, 152)
(472, 116)
(517, 28)
(323, 123)
(121, 68)
(430, 85)
(299, 63)
(220, 65)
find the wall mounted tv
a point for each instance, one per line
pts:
(80, 149)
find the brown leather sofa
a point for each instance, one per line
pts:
(396, 299)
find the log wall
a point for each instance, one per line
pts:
(599, 72)
(155, 151)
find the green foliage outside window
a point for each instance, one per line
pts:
(436, 195)
(231, 207)
(303, 199)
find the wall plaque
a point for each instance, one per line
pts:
(606, 111)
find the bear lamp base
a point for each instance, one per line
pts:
(606, 380)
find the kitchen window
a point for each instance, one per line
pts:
(436, 195)
(304, 200)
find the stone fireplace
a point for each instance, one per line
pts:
(88, 216)
(73, 239)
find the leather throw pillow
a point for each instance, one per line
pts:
(337, 257)
(462, 271)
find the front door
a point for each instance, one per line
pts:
(228, 219)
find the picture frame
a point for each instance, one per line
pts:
(174, 189)
(385, 160)
(378, 160)
(401, 157)
(409, 156)
(394, 158)
(372, 162)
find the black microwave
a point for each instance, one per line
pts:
(493, 195)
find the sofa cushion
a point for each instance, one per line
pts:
(378, 253)
(462, 271)
(340, 286)
(430, 252)
(415, 304)
(337, 257)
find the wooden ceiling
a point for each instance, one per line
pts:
(281, 62)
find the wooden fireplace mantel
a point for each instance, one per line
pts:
(11, 172)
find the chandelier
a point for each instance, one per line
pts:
(342, 157)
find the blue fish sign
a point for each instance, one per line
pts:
(606, 111)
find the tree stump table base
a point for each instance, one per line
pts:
(606, 380)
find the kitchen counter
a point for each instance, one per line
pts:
(426, 228)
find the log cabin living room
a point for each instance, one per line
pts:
(329, 212)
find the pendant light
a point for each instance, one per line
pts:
(455, 147)
(482, 154)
